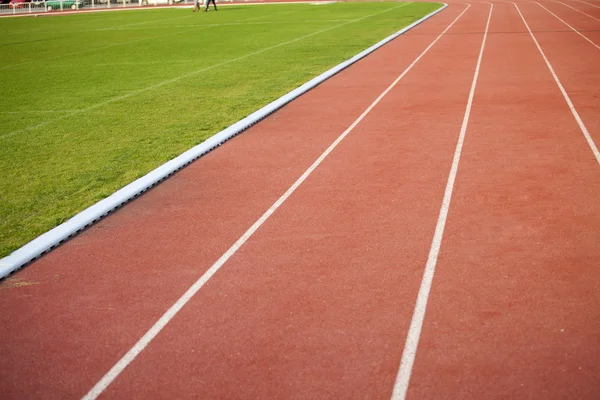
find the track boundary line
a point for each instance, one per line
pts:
(582, 126)
(143, 342)
(54, 237)
(416, 324)
(573, 29)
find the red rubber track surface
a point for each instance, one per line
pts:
(588, 7)
(574, 13)
(515, 304)
(575, 60)
(318, 302)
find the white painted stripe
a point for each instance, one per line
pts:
(162, 35)
(161, 26)
(181, 302)
(573, 29)
(92, 49)
(190, 74)
(416, 324)
(224, 24)
(38, 111)
(54, 237)
(119, 27)
(584, 130)
(576, 9)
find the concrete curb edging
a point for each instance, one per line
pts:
(54, 237)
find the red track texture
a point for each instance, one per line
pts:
(318, 302)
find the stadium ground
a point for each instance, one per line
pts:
(95, 101)
(442, 245)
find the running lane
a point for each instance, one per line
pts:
(575, 60)
(588, 12)
(317, 303)
(67, 318)
(567, 18)
(514, 309)
(589, 7)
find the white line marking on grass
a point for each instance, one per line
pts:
(38, 111)
(124, 26)
(573, 29)
(149, 22)
(416, 324)
(584, 130)
(233, 24)
(566, 5)
(91, 50)
(116, 370)
(190, 74)
(242, 22)
(97, 65)
(93, 213)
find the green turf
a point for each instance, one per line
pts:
(94, 101)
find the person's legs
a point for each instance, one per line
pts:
(208, 4)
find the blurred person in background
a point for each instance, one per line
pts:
(208, 4)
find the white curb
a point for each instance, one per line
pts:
(47, 241)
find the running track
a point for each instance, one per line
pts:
(318, 302)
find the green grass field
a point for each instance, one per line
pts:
(93, 101)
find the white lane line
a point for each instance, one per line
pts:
(584, 130)
(116, 370)
(416, 324)
(190, 74)
(573, 29)
(579, 11)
